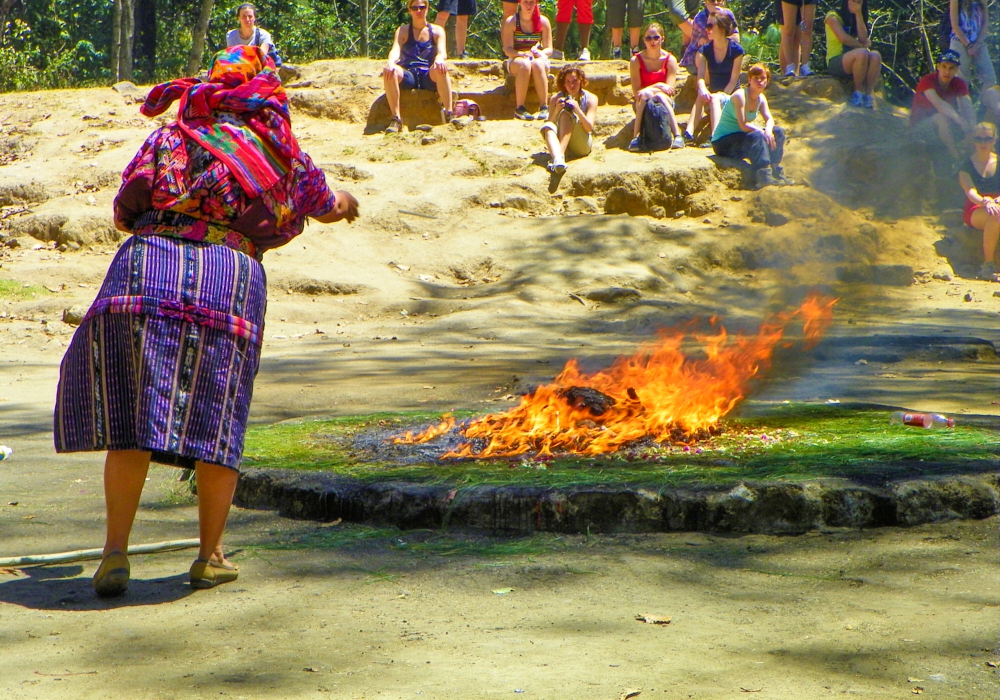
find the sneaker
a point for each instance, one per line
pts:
(585, 55)
(557, 168)
(522, 113)
(778, 173)
(395, 126)
(805, 71)
(763, 178)
(449, 116)
(678, 142)
(464, 56)
(987, 271)
(634, 145)
(543, 114)
(687, 135)
(868, 101)
(616, 52)
(790, 72)
(857, 99)
(557, 55)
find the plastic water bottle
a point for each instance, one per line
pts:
(5, 452)
(921, 420)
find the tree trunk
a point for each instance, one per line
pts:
(365, 20)
(144, 51)
(198, 34)
(121, 39)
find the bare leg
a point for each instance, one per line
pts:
(856, 64)
(391, 84)
(566, 126)
(789, 14)
(640, 107)
(540, 76)
(442, 81)
(944, 133)
(562, 29)
(616, 37)
(584, 35)
(715, 112)
(521, 68)
(808, 19)
(124, 476)
(633, 37)
(991, 232)
(874, 71)
(685, 28)
(555, 147)
(461, 33)
(216, 486)
(695, 119)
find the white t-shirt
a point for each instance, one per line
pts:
(258, 38)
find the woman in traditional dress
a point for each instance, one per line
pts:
(162, 366)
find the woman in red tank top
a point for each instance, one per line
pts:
(653, 72)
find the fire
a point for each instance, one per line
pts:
(659, 393)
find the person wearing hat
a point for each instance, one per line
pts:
(942, 106)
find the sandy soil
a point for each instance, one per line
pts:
(454, 289)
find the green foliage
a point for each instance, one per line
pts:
(11, 290)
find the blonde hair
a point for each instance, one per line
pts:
(989, 126)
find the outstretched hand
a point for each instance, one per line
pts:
(346, 207)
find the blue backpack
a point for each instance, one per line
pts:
(272, 52)
(654, 132)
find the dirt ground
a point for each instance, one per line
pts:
(464, 282)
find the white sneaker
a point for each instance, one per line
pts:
(557, 55)
(585, 55)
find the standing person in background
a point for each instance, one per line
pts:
(162, 367)
(463, 10)
(572, 112)
(616, 20)
(783, 59)
(970, 23)
(527, 43)
(699, 34)
(942, 109)
(584, 22)
(653, 73)
(720, 63)
(849, 53)
(979, 177)
(416, 62)
(248, 33)
(738, 137)
(791, 10)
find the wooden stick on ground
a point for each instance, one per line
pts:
(87, 554)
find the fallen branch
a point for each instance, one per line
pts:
(87, 554)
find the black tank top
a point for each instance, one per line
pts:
(984, 185)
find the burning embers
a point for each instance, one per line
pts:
(659, 393)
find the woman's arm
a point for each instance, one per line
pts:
(765, 112)
(956, 29)
(555, 107)
(701, 70)
(442, 47)
(633, 71)
(833, 21)
(739, 107)
(671, 75)
(344, 208)
(983, 31)
(507, 35)
(859, 21)
(396, 49)
(734, 78)
(588, 118)
(546, 36)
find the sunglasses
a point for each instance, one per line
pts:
(418, 8)
(710, 25)
(653, 37)
(983, 139)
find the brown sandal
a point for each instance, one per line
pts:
(207, 574)
(111, 578)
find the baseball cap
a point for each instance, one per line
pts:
(950, 56)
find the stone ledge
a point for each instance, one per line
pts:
(777, 508)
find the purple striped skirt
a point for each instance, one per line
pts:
(165, 359)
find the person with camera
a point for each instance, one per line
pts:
(570, 126)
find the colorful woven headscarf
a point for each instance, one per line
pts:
(256, 141)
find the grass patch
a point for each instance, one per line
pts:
(11, 290)
(788, 442)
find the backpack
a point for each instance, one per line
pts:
(272, 52)
(654, 132)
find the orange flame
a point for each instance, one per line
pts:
(658, 392)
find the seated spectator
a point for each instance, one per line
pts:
(979, 177)
(719, 63)
(416, 62)
(584, 22)
(791, 11)
(615, 15)
(653, 74)
(249, 34)
(941, 107)
(699, 33)
(847, 28)
(463, 10)
(572, 111)
(527, 43)
(736, 135)
(970, 23)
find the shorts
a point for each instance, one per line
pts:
(417, 79)
(457, 7)
(835, 67)
(584, 11)
(616, 13)
(580, 141)
(970, 207)
(799, 3)
(682, 10)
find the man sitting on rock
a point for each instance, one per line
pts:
(942, 111)
(416, 61)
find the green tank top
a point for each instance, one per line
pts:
(728, 123)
